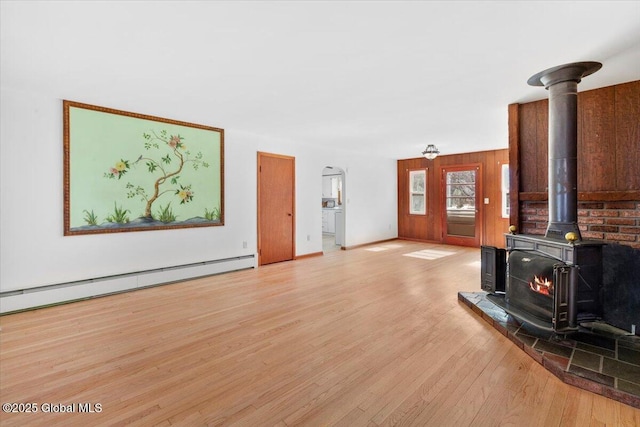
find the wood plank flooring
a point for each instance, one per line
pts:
(365, 337)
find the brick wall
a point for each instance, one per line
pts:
(616, 222)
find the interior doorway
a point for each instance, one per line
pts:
(333, 209)
(276, 208)
(461, 201)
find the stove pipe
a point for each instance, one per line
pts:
(562, 84)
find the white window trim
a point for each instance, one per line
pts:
(417, 192)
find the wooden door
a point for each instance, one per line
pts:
(461, 191)
(276, 203)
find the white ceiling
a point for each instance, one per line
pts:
(385, 77)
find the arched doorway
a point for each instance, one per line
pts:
(333, 209)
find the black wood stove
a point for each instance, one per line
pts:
(555, 281)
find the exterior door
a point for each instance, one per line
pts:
(461, 193)
(276, 216)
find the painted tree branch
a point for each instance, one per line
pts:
(175, 144)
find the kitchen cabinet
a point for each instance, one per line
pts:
(339, 228)
(330, 187)
(326, 187)
(329, 221)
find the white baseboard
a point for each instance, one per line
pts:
(65, 292)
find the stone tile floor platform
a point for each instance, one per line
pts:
(601, 361)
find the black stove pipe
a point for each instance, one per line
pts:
(562, 84)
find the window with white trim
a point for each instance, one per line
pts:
(505, 191)
(418, 192)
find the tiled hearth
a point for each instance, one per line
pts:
(602, 362)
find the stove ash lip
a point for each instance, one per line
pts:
(562, 83)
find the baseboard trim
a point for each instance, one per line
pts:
(410, 239)
(43, 296)
(311, 255)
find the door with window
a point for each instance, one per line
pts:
(461, 202)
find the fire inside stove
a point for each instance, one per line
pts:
(530, 284)
(542, 285)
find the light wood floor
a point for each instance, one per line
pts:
(353, 338)
(329, 243)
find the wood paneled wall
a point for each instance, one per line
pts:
(428, 227)
(608, 147)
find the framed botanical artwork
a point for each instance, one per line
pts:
(418, 192)
(131, 172)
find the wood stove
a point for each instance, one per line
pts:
(555, 281)
(552, 284)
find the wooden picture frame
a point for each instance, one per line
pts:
(125, 171)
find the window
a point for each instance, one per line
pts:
(461, 190)
(505, 191)
(418, 192)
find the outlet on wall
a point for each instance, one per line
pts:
(244, 245)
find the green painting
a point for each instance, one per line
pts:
(130, 172)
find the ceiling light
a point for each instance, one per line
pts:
(431, 152)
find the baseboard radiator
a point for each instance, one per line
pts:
(24, 299)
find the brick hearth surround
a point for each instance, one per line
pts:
(616, 222)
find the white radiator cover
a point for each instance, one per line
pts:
(65, 292)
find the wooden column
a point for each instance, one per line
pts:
(514, 164)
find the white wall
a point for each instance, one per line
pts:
(55, 51)
(34, 252)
